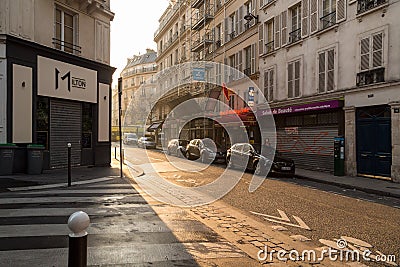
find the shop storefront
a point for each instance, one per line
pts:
(305, 133)
(56, 98)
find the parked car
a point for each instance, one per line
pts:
(130, 139)
(177, 147)
(205, 149)
(246, 155)
(146, 142)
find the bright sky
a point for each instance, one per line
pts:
(132, 30)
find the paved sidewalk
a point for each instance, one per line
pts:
(369, 185)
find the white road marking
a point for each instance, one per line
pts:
(284, 219)
(47, 186)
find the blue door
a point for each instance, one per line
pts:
(374, 144)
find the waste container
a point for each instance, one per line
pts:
(338, 148)
(35, 159)
(6, 158)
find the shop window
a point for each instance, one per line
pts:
(87, 118)
(42, 121)
(328, 118)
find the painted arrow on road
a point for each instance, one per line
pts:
(284, 219)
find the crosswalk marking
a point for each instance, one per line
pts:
(124, 228)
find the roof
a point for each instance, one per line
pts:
(149, 57)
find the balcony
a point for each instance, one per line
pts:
(370, 77)
(295, 36)
(204, 16)
(328, 20)
(247, 71)
(218, 44)
(269, 47)
(366, 5)
(66, 47)
(232, 35)
(202, 43)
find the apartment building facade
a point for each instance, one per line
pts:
(55, 85)
(138, 74)
(330, 68)
(207, 30)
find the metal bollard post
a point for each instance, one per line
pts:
(78, 222)
(115, 152)
(123, 156)
(69, 164)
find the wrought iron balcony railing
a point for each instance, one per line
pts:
(67, 47)
(328, 20)
(295, 36)
(370, 77)
(247, 71)
(365, 5)
(269, 47)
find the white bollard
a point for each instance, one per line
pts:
(78, 222)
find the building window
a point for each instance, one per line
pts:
(66, 31)
(269, 84)
(232, 65)
(328, 14)
(295, 19)
(326, 70)
(371, 60)
(247, 63)
(294, 78)
(365, 5)
(232, 26)
(269, 36)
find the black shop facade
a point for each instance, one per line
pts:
(55, 99)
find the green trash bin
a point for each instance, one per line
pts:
(34, 158)
(6, 158)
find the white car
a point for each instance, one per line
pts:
(146, 142)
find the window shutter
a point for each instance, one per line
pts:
(271, 84)
(297, 78)
(226, 30)
(284, 33)
(277, 42)
(304, 18)
(290, 80)
(313, 16)
(340, 10)
(253, 58)
(253, 11)
(330, 84)
(261, 38)
(236, 23)
(377, 50)
(266, 83)
(226, 69)
(241, 19)
(240, 61)
(321, 72)
(365, 51)
(106, 43)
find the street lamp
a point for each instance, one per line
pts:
(250, 16)
(119, 123)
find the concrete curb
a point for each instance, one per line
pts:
(138, 171)
(347, 186)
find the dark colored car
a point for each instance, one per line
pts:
(205, 149)
(177, 147)
(246, 155)
(146, 142)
